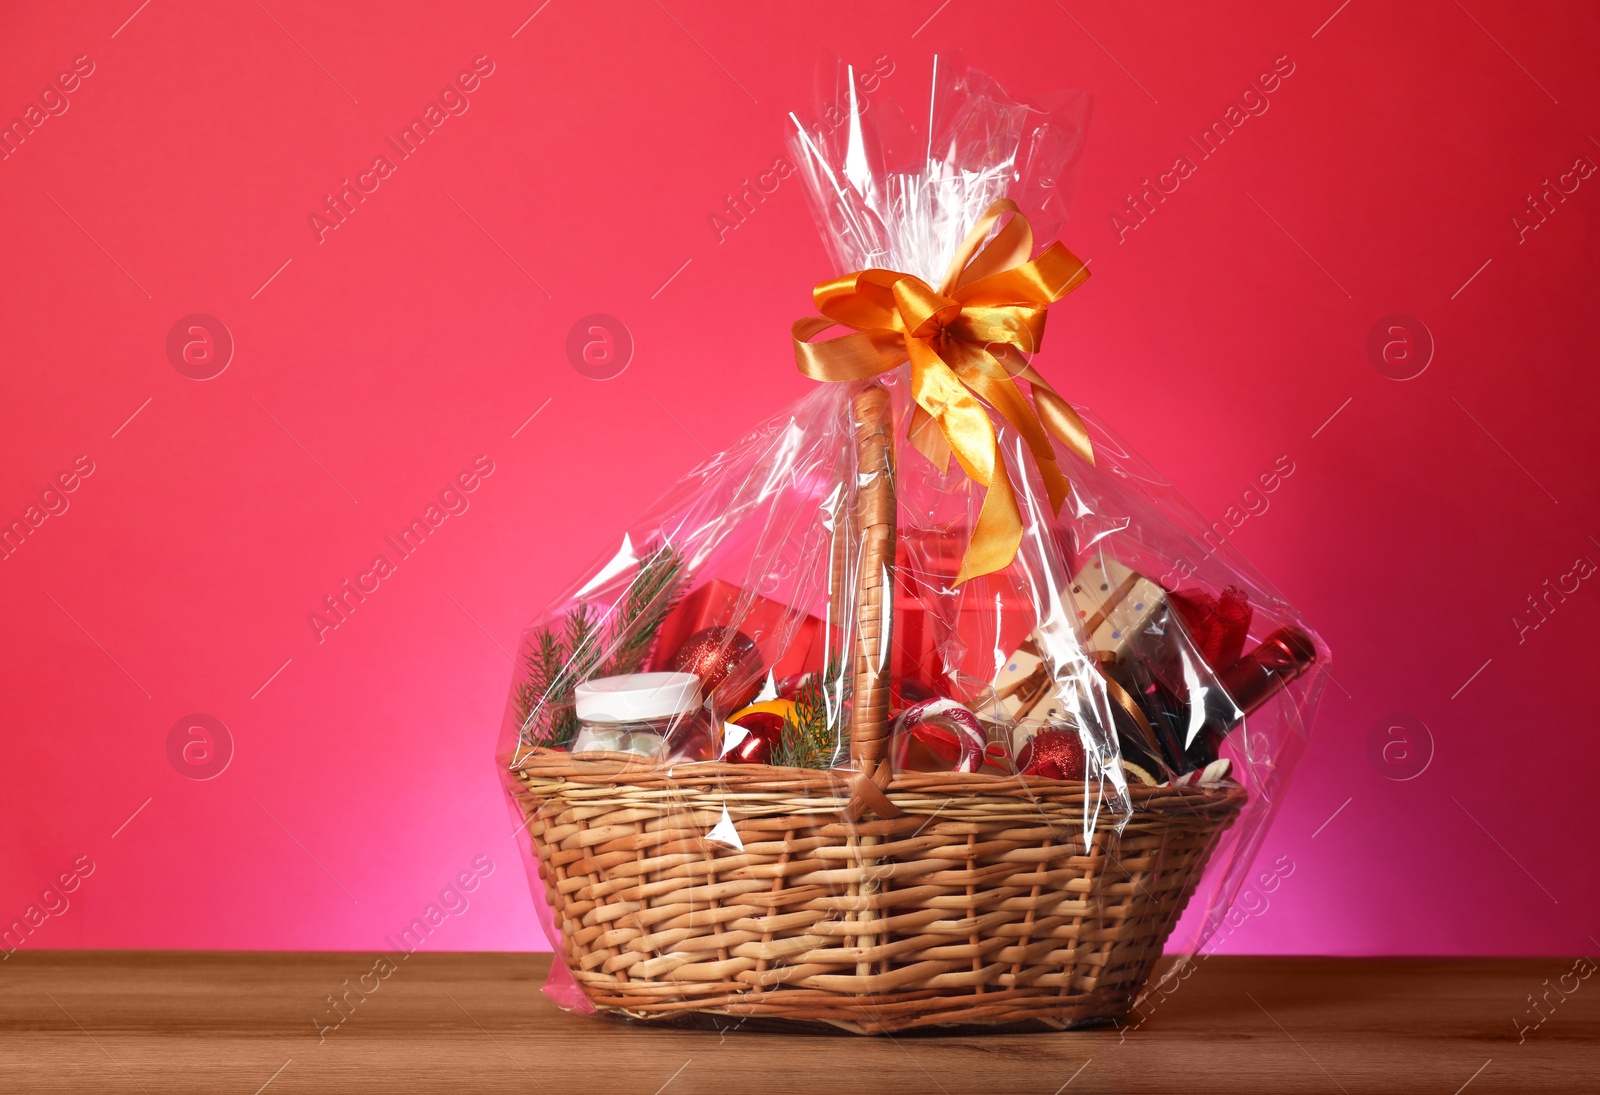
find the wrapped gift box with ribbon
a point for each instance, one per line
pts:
(881, 720)
(785, 637)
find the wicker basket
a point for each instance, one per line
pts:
(870, 900)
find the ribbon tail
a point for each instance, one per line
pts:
(1150, 743)
(925, 435)
(1004, 397)
(989, 373)
(998, 532)
(1058, 416)
(1055, 483)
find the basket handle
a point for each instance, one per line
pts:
(875, 522)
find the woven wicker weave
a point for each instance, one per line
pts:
(869, 900)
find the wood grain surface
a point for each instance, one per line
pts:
(109, 1022)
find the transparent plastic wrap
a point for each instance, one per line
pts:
(926, 703)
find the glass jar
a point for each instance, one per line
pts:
(655, 715)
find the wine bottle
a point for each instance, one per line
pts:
(1255, 678)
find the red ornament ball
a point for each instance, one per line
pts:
(1053, 754)
(727, 663)
(763, 729)
(790, 686)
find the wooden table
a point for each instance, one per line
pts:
(110, 1022)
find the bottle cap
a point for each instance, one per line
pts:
(636, 697)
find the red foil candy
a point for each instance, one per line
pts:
(1218, 624)
(727, 663)
(1053, 754)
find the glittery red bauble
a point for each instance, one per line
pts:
(763, 729)
(727, 663)
(1053, 754)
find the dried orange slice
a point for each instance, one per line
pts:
(781, 708)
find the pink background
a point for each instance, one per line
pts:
(1230, 329)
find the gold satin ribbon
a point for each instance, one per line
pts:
(966, 343)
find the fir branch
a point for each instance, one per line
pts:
(560, 660)
(584, 648)
(577, 649)
(816, 735)
(544, 698)
(651, 597)
(543, 665)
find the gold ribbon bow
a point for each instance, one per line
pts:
(965, 343)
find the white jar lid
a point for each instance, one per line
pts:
(637, 696)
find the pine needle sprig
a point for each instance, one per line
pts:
(817, 733)
(582, 646)
(544, 664)
(651, 597)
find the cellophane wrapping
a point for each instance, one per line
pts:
(749, 569)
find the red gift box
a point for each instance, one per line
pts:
(783, 635)
(989, 616)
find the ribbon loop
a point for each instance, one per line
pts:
(968, 343)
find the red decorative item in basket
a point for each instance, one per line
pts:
(727, 663)
(783, 636)
(951, 723)
(947, 640)
(1053, 754)
(754, 734)
(1218, 624)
